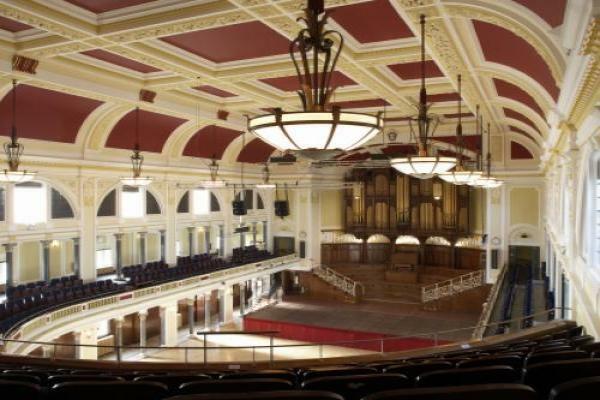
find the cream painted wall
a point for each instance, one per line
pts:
(55, 259)
(153, 247)
(524, 206)
(332, 216)
(477, 210)
(29, 261)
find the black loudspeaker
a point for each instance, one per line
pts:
(282, 208)
(239, 208)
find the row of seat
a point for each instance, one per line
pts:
(33, 288)
(524, 369)
(249, 254)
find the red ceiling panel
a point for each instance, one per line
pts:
(290, 83)
(256, 151)
(215, 91)
(471, 142)
(100, 6)
(233, 42)
(12, 25)
(510, 113)
(399, 150)
(361, 103)
(508, 90)
(357, 157)
(413, 70)
(501, 46)
(210, 141)
(371, 21)
(519, 152)
(455, 115)
(552, 11)
(520, 131)
(120, 61)
(441, 97)
(154, 131)
(56, 116)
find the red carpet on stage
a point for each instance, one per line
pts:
(319, 334)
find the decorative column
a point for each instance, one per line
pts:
(87, 267)
(242, 239)
(255, 296)
(87, 339)
(207, 311)
(46, 260)
(143, 247)
(170, 253)
(190, 312)
(168, 325)
(254, 224)
(221, 240)
(142, 316)
(118, 255)
(118, 331)
(207, 239)
(265, 236)
(242, 298)
(226, 305)
(163, 243)
(191, 241)
(76, 257)
(8, 250)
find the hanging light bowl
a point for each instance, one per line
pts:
(461, 177)
(320, 126)
(423, 167)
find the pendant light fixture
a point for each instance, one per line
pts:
(266, 176)
(137, 180)
(320, 130)
(213, 168)
(479, 132)
(487, 181)
(460, 176)
(423, 166)
(14, 150)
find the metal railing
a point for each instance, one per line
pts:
(452, 286)
(340, 281)
(251, 354)
(489, 304)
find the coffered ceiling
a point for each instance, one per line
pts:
(201, 56)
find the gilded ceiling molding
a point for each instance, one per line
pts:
(524, 141)
(179, 138)
(522, 126)
(100, 125)
(297, 6)
(446, 53)
(510, 19)
(233, 150)
(521, 108)
(588, 93)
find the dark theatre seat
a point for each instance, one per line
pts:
(116, 390)
(544, 376)
(469, 376)
(474, 392)
(276, 395)
(355, 387)
(20, 390)
(579, 389)
(235, 386)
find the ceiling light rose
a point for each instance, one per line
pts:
(460, 176)
(14, 150)
(320, 126)
(137, 160)
(423, 166)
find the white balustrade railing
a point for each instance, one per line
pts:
(339, 281)
(452, 286)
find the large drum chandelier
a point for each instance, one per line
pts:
(460, 175)
(320, 128)
(137, 160)
(14, 150)
(487, 181)
(423, 166)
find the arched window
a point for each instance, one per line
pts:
(152, 206)
(184, 204)
(108, 206)
(131, 202)
(214, 203)
(259, 202)
(30, 203)
(59, 206)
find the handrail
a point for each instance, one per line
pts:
(452, 286)
(271, 347)
(56, 316)
(340, 281)
(490, 302)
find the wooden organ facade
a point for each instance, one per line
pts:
(384, 205)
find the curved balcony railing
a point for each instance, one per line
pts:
(267, 352)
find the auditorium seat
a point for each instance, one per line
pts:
(542, 377)
(536, 358)
(578, 389)
(56, 379)
(414, 370)
(20, 390)
(21, 378)
(271, 374)
(275, 395)
(582, 340)
(468, 376)
(355, 387)
(513, 361)
(235, 386)
(173, 381)
(90, 390)
(321, 372)
(472, 392)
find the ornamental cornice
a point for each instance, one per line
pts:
(8, 11)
